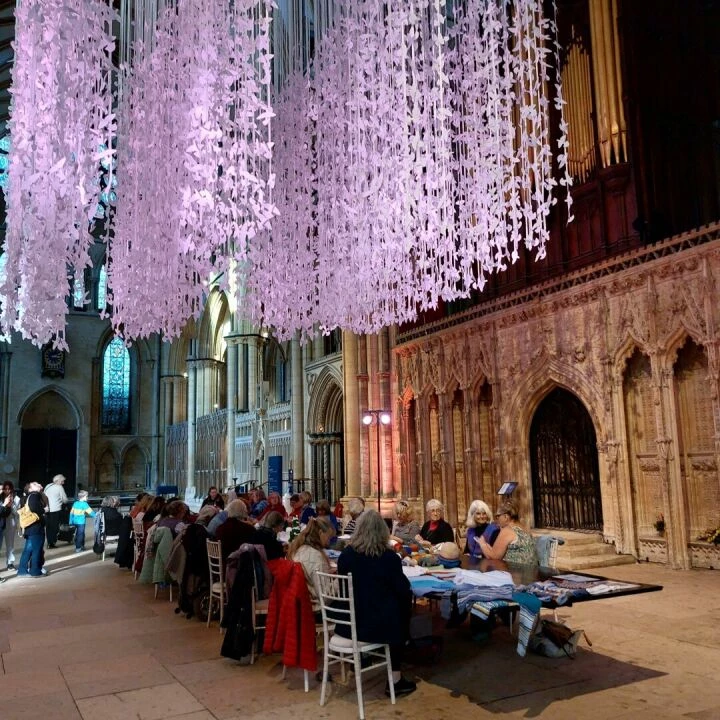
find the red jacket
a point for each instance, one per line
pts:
(290, 627)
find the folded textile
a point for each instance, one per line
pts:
(494, 578)
(428, 584)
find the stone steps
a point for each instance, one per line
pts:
(585, 550)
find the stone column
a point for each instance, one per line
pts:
(385, 433)
(352, 412)
(5, 357)
(252, 375)
(471, 444)
(424, 454)
(296, 408)
(192, 415)
(231, 370)
(242, 375)
(364, 404)
(447, 454)
(667, 444)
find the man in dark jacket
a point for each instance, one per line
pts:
(31, 560)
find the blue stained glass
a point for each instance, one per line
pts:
(4, 162)
(102, 289)
(99, 212)
(5, 143)
(116, 387)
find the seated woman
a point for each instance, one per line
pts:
(308, 549)
(405, 527)
(382, 592)
(266, 535)
(323, 510)
(173, 514)
(307, 511)
(258, 503)
(356, 507)
(236, 530)
(436, 529)
(514, 544)
(297, 507)
(142, 501)
(274, 504)
(153, 513)
(479, 517)
(206, 514)
(111, 517)
(213, 498)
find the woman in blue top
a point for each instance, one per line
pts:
(479, 517)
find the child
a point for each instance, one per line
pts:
(79, 511)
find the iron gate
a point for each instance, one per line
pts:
(564, 465)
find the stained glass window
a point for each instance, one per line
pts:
(79, 292)
(116, 388)
(102, 289)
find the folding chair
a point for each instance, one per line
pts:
(217, 578)
(337, 605)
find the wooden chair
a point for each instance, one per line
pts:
(217, 579)
(335, 593)
(139, 536)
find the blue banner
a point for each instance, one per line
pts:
(275, 473)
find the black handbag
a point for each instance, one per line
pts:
(99, 546)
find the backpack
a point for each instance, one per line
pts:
(26, 516)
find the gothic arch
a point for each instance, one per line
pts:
(536, 386)
(77, 416)
(179, 351)
(326, 402)
(134, 445)
(211, 332)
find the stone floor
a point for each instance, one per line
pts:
(89, 642)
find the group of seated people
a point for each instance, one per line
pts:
(498, 537)
(382, 592)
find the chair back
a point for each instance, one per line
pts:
(215, 561)
(138, 528)
(547, 549)
(337, 602)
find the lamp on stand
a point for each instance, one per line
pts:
(378, 417)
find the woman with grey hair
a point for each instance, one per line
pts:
(436, 529)
(356, 507)
(109, 519)
(478, 518)
(382, 593)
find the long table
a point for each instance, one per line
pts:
(597, 587)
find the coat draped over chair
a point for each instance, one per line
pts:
(290, 627)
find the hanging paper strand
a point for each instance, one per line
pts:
(200, 183)
(61, 123)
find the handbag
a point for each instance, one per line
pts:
(99, 546)
(27, 517)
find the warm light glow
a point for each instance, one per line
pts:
(385, 418)
(367, 419)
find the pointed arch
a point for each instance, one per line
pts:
(214, 325)
(326, 401)
(58, 398)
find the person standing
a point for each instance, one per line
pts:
(9, 504)
(31, 558)
(78, 514)
(55, 494)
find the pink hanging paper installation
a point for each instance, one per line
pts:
(61, 122)
(194, 162)
(419, 163)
